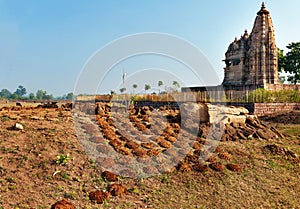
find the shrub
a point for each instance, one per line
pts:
(263, 95)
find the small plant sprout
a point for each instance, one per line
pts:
(63, 159)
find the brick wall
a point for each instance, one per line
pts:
(157, 104)
(270, 108)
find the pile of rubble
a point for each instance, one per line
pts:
(183, 135)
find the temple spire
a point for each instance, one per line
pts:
(263, 9)
(246, 35)
(252, 59)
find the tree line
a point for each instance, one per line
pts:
(147, 87)
(21, 94)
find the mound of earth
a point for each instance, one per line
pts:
(287, 154)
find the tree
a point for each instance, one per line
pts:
(290, 63)
(112, 92)
(122, 90)
(281, 60)
(48, 96)
(160, 83)
(31, 96)
(70, 96)
(282, 78)
(134, 87)
(40, 94)
(21, 91)
(14, 96)
(147, 87)
(5, 94)
(176, 85)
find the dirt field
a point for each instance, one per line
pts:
(45, 163)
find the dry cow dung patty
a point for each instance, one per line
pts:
(63, 204)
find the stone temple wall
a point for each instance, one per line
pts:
(253, 59)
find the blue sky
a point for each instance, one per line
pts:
(45, 44)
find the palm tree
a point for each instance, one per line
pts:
(176, 85)
(122, 90)
(147, 87)
(134, 87)
(160, 83)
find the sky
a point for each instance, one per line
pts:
(47, 44)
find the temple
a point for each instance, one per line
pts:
(252, 59)
(251, 62)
